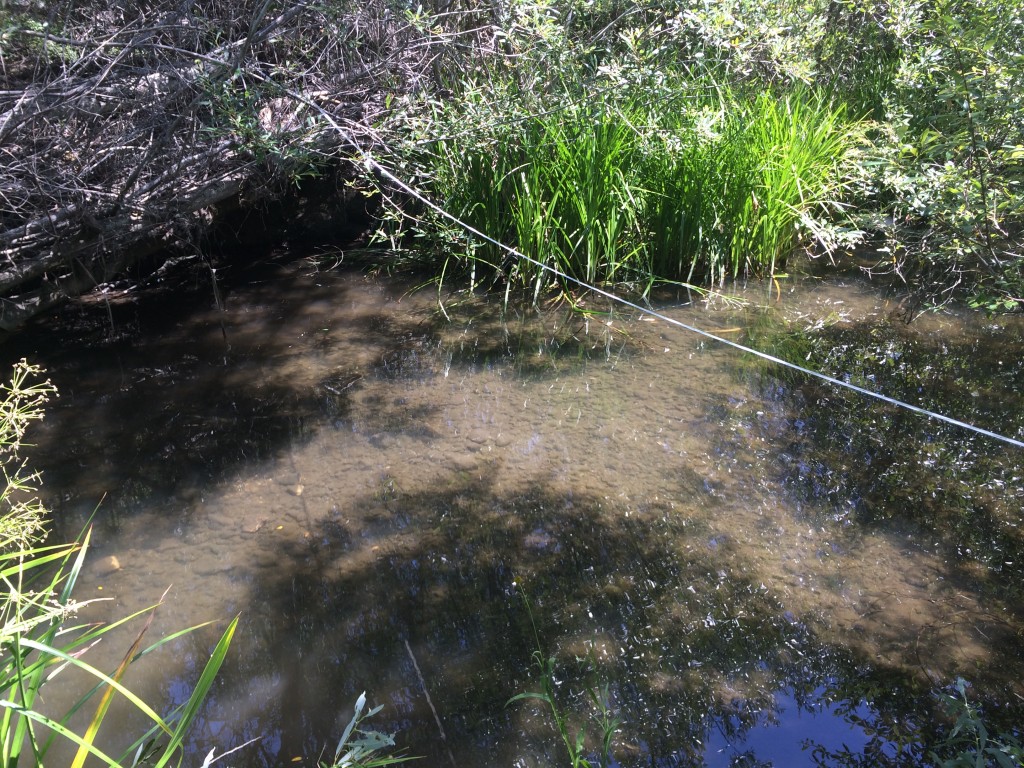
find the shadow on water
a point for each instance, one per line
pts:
(159, 396)
(887, 469)
(693, 656)
(375, 488)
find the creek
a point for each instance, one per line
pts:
(760, 569)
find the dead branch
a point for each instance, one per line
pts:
(124, 126)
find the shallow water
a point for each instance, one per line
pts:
(380, 493)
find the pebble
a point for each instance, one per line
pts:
(465, 462)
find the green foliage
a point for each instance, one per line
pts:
(691, 141)
(969, 743)
(358, 748)
(24, 36)
(942, 83)
(558, 193)
(274, 129)
(739, 185)
(945, 161)
(576, 746)
(39, 642)
(627, 188)
(21, 514)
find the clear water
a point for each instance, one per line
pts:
(379, 492)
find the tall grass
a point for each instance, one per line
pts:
(554, 186)
(732, 187)
(39, 641)
(622, 189)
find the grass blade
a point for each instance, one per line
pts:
(59, 728)
(191, 708)
(108, 695)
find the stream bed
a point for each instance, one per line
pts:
(748, 568)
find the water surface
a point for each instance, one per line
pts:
(761, 570)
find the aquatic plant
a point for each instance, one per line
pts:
(38, 639)
(360, 748)
(555, 186)
(599, 696)
(736, 185)
(622, 188)
(969, 744)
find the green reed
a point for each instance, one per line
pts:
(39, 641)
(555, 187)
(587, 191)
(802, 142)
(575, 746)
(624, 189)
(731, 187)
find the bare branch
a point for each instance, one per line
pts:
(123, 126)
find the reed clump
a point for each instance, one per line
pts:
(620, 189)
(738, 186)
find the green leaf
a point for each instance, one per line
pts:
(60, 729)
(108, 695)
(347, 733)
(191, 708)
(50, 651)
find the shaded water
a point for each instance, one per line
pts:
(759, 569)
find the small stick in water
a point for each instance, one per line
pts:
(423, 685)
